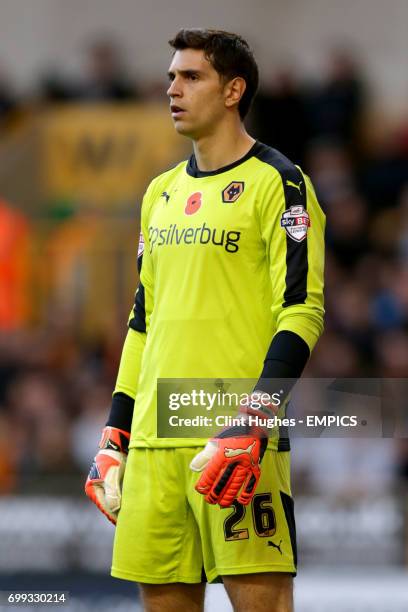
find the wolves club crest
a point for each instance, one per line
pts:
(295, 220)
(232, 191)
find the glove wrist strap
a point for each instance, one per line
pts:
(250, 427)
(114, 439)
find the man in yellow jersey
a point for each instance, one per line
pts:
(231, 286)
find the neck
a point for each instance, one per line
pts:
(225, 146)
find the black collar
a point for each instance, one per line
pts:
(194, 171)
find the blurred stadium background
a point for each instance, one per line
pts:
(83, 127)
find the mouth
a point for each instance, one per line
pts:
(176, 111)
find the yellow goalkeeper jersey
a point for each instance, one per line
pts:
(231, 257)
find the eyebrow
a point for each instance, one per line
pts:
(184, 73)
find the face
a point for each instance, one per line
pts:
(197, 94)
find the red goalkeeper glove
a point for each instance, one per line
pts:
(104, 482)
(230, 462)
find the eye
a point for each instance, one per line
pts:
(193, 77)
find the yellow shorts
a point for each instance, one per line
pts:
(166, 531)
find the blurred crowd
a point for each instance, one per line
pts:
(56, 384)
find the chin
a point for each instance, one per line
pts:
(183, 129)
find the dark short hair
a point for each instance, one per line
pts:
(228, 53)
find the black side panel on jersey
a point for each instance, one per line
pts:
(294, 190)
(296, 252)
(138, 321)
(289, 509)
(139, 262)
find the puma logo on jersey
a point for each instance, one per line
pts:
(278, 546)
(295, 185)
(234, 452)
(166, 196)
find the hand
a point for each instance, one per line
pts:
(231, 468)
(230, 462)
(104, 482)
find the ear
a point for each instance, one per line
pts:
(234, 90)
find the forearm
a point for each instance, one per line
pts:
(130, 363)
(124, 394)
(285, 360)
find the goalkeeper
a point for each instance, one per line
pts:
(231, 286)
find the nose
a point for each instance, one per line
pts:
(174, 89)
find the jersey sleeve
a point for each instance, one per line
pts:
(139, 318)
(292, 227)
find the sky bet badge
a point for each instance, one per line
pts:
(296, 220)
